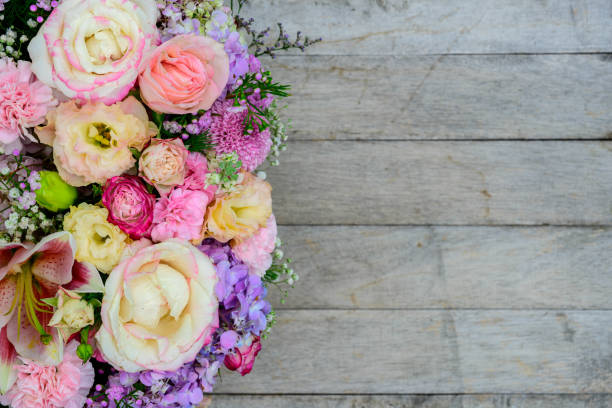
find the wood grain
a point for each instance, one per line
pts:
(449, 267)
(414, 401)
(414, 352)
(455, 183)
(409, 27)
(448, 97)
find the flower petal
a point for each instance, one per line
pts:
(26, 340)
(55, 258)
(8, 357)
(8, 291)
(85, 279)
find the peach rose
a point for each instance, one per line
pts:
(91, 50)
(184, 75)
(92, 143)
(240, 214)
(163, 164)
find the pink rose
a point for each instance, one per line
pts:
(129, 204)
(256, 251)
(91, 50)
(196, 168)
(24, 102)
(181, 215)
(184, 75)
(243, 358)
(163, 164)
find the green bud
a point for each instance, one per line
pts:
(54, 193)
(84, 352)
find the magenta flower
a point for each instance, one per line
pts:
(129, 204)
(243, 358)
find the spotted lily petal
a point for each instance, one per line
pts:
(8, 359)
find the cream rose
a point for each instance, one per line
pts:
(98, 241)
(159, 308)
(92, 50)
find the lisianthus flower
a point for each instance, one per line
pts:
(129, 204)
(92, 143)
(24, 102)
(98, 241)
(29, 273)
(64, 385)
(241, 213)
(159, 308)
(91, 50)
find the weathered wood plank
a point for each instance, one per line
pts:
(449, 267)
(406, 27)
(455, 183)
(414, 401)
(432, 352)
(450, 97)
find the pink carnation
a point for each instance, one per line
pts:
(24, 102)
(196, 168)
(181, 215)
(129, 204)
(243, 358)
(228, 135)
(62, 386)
(256, 251)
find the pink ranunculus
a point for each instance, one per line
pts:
(63, 386)
(196, 168)
(184, 75)
(180, 215)
(130, 205)
(243, 358)
(92, 50)
(256, 251)
(162, 164)
(24, 102)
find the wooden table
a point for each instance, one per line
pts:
(447, 198)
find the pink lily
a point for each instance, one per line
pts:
(28, 274)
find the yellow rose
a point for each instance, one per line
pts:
(98, 241)
(241, 213)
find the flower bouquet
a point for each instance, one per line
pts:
(137, 239)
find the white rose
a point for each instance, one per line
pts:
(92, 50)
(159, 308)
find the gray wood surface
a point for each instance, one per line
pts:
(456, 183)
(415, 401)
(417, 27)
(448, 97)
(427, 351)
(448, 202)
(449, 267)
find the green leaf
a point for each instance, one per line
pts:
(135, 152)
(84, 352)
(158, 118)
(50, 301)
